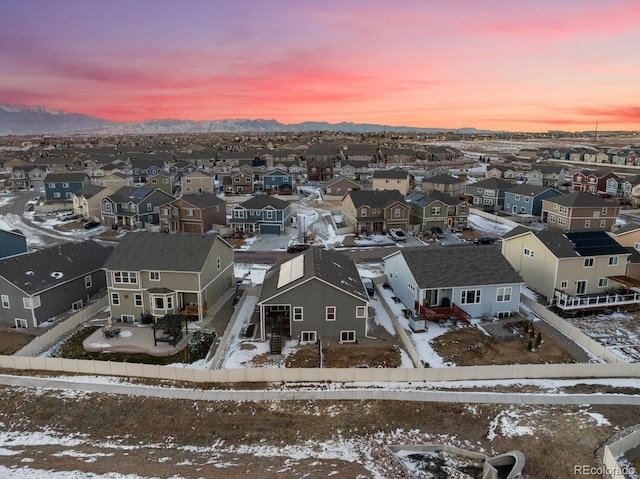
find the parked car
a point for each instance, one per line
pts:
(484, 240)
(438, 232)
(91, 224)
(368, 285)
(398, 234)
(297, 248)
(66, 216)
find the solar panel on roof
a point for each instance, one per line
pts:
(594, 243)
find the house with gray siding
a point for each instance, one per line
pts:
(462, 282)
(261, 214)
(318, 294)
(527, 199)
(12, 243)
(37, 286)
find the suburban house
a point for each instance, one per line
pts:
(133, 208)
(197, 182)
(357, 170)
(378, 210)
(197, 213)
(319, 170)
(114, 181)
(445, 282)
(38, 286)
(163, 181)
(277, 181)
(445, 183)
(629, 237)
(240, 183)
(526, 199)
(340, 185)
(590, 181)
(12, 243)
(316, 295)
(86, 202)
(488, 194)
(27, 177)
(559, 264)
(579, 211)
(261, 214)
(504, 172)
(156, 274)
(395, 179)
(553, 176)
(621, 187)
(62, 186)
(397, 156)
(141, 169)
(437, 209)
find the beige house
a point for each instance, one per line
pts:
(163, 182)
(197, 182)
(155, 274)
(579, 210)
(114, 181)
(554, 262)
(447, 184)
(86, 202)
(395, 179)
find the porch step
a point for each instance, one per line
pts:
(276, 343)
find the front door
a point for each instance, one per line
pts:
(581, 286)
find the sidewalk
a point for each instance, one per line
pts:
(373, 394)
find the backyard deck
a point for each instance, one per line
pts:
(131, 339)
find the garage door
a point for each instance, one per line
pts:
(270, 229)
(191, 228)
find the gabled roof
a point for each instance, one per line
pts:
(458, 266)
(581, 199)
(66, 178)
(44, 269)
(264, 201)
(277, 172)
(423, 199)
(394, 174)
(444, 179)
(375, 198)
(326, 265)
(128, 194)
(202, 200)
(338, 179)
(161, 252)
(531, 190)
(492, 184)
(573, 244)
(90, 191)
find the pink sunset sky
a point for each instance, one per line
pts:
(515, 65)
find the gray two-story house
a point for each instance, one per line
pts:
(261, 214)
(527, 199)
(488, 194)
(133, 208)
(38, 286)
(437, 209)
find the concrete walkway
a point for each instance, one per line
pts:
(321, 395)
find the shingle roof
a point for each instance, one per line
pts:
(330, 266)
(41, 270)
(90, 190)
(492, 184)
(375, 198)
(530, 190)
(161, 252)
(394, 174)
(203, 200)
(443, 179)
(579, 199)
(456, 266)
(65, 178)
(423, 199)
(264, 201)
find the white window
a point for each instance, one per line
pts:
(588, 262)
(604, 211)
(603, 223)
(528, 252)
(115, 299)
(88, 282)
(347, 336)
(330, 313)
(308, 336)
(637, 246)
(137, 300)
(470, 296)
(5, 301)
(164, 212)
(56, 194)
(587, 223)
(218, 262)
(517, 198)
(552, 218)
(127, 318)
(189, 212)
(77, 305)
(613, 261)
(363, 212)
(297, 313)
(106, 206)
(21, 323)
(564, 210)
(562, 221)
(603, 282)
(360, 311)
(504, 294)
(125, 277)
(435, 211)
(396, 212)
(564, 284)
(27, 303)
(65, 185)
(269, 215)
(596, 214)
(154, 275)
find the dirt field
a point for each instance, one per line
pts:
(178, 438)
(12, 339)
(471, 346)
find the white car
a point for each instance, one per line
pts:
(398, 234)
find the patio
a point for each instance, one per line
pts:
(131, 339)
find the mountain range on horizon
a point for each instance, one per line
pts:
(20, 120)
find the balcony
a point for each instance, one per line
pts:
(441, 312)
(566, 302)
